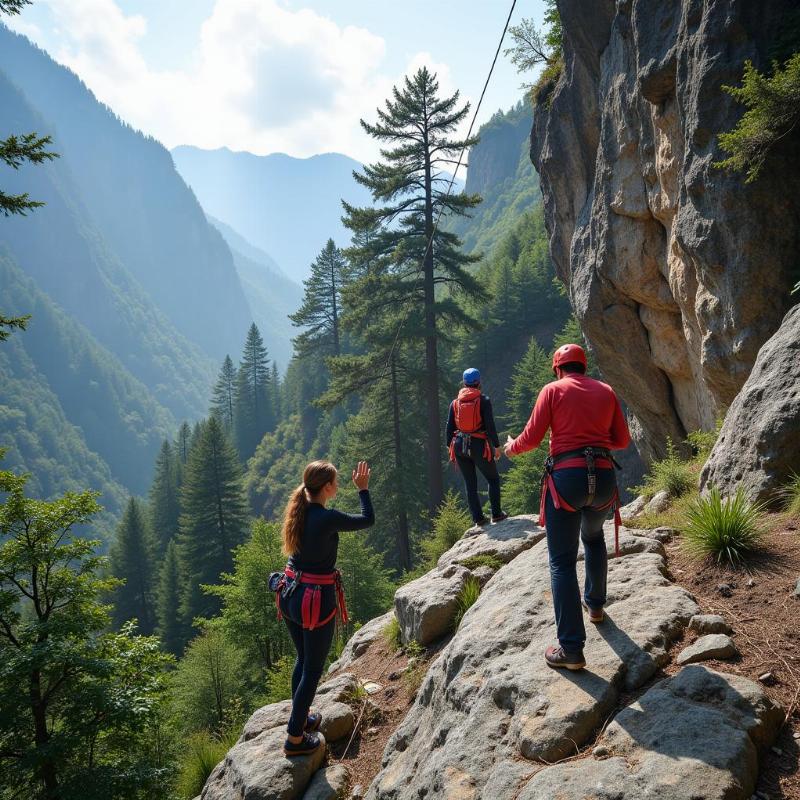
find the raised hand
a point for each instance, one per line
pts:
(361, 475)
(507, 447)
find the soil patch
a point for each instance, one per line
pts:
(759, 603)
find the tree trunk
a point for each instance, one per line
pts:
(47, 769)
(403, 546)
(435, 481)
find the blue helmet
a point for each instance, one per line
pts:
(471, 377)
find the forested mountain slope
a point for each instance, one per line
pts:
(131, 191)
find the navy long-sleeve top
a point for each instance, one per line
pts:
(319, 542)
(487, 420)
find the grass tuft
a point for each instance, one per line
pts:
(469, 593)
(672, 475)
(473, 562)
(725, 530)
(790, 495)
(203, 752)
(391, 635)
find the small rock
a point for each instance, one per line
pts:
(725, 589)
(370, 687)
(796, 735)
(709, 623)
(393, 675)
(329, 783)
(715, 645)
(659, 503)
(372, 731)
(634, 509)
(600, 751)
(357, 793)
(767, 678)
(797, 588)
(750, 583)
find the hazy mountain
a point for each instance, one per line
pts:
(272, 295)
(127, 184)
(287, 206)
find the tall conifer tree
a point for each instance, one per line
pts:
(410, 188)
(224, 396)
(132, 559)
(164, 499)
(213, 517)
(322, 303)
(169, 627)
(252, 414)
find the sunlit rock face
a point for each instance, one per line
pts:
(678, 271)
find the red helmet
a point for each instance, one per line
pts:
(568, 353)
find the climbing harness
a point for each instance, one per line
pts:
(549, 486)
(286, 582)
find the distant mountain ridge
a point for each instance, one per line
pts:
(287, 206)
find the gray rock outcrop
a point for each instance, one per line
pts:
(709, 623)
(678, 271)
(360, 641)
(713, 645)
(759, 445)
(489, 698)
(696, 735)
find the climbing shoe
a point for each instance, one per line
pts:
(500, 517)
(556, 657)
(596, 615)
(481, 521)
(309, 744)
(313, 721)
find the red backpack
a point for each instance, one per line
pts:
(467, 409)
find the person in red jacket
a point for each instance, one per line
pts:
(579, 487)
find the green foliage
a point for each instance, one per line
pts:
(449, 524)
(9, 324)
(13, 6)
(209, 682)
(85, 726)
(702, 442)
(672, 475)
(164, 496)
(252, 416)
(521, 487)
(170, 628)
(790, 495)
(223, 398)
(322, 302)
(473, 562)
(15, 151)
(773, 113)
(530, 376)
(465, 599)
(248, 616)
(392, 636)
(213, 518)
(201, 753)
(279, 680)
(726, 530)
(132, 560)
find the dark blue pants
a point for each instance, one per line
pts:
(312, 649)
(468, 464)
(563, 530)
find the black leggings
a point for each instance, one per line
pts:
(467, 465)
(312, 650)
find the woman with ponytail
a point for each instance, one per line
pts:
(311, 592)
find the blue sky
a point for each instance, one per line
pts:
(272, 75)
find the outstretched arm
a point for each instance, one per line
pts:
(536, 428)
(356, 522)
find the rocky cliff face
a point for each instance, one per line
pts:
(678, 271)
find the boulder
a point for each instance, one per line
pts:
(360, 641)
(759, 442)
(696, 735)
(258, 770)
(505, 541)
(714, 645)
(337, 716)
(658, 503)
(489, 698)
(329, 784)
(709, 623)
(634, 509)
(426, 607)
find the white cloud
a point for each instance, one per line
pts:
(263, 78)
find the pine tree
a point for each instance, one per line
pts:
(213, 517)
(169, 628)
(411, 192)
(252, 412)
(275, 398)
(131, 559)
(183, 443)
(322, 303)
(164, 499)
(224, 395)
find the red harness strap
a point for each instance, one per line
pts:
(549, 486)
(312, 597)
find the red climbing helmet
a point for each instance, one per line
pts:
(568, 353)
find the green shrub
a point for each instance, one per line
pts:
(279, 680)
(448, 527)
(790, 495)
(726, 530)
(391, 635)
(203, 752)
(469, 593)
(702, 442)
(414, 649)
(672, 475)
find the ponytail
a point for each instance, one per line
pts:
(316, 475)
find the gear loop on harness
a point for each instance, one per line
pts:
(312, 597)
